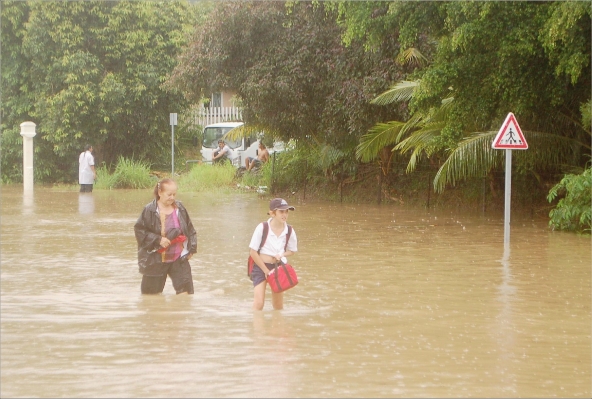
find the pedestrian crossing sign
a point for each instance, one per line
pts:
(510, 136)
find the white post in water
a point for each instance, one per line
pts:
(28, 132)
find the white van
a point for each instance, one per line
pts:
(241, 148)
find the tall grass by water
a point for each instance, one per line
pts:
(135, 174)
(206, 177)
(128, 173)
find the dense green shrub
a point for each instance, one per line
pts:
(206, 177)
(260, 177)
(105, 179)
(127, 174)
(572, 212)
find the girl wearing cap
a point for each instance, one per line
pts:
(272, 251)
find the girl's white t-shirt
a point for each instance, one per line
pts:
(273, 244)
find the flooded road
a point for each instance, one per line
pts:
(392, 302)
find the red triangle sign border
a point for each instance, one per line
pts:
(507, 139)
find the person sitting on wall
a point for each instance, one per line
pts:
(262, 157)
(223, 153)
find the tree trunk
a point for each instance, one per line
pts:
(379, 196)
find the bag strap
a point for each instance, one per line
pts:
(264, 236)
(266, 231)
(288, 237)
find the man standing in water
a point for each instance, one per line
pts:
(86, 170)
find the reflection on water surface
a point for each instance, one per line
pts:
(392, 302)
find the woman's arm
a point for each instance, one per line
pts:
(190, 232)
(145, 237)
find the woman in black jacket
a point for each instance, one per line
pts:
(166, 241)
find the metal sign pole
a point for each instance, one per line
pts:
(508, 197)
(172, 151)
(509, 138)
(173, 123)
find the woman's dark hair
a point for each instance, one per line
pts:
(87, 147)
(165, 181)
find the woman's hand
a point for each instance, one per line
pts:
(165, 242)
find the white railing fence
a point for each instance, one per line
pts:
(206, 116)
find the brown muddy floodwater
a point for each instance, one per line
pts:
(392, 302)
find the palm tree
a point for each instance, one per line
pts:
(416, 136)
(473, 156)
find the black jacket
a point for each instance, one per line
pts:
(147, 231)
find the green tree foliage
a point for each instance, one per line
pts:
(530, 58)
(415, 24)
(566, 38)
(17, 97)
(89, 72)
(572, 212)
(573, 209)
(293, 74)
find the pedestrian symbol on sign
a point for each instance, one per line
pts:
(510, 136)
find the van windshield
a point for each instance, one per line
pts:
(213, 134)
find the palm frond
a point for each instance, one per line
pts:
(420, 142)
(563, 122)
(474, 156)
(447, 102)
(422, 138)
(400, 91)
(412, 56)
(413, 160)
(248, 130)
(547, 150)
(439, 114)
(329, 156)
(417, 119)
(420, 120)
(380, 136)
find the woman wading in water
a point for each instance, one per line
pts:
(166, 241)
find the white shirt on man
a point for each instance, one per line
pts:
(227, 151)
(85, 173)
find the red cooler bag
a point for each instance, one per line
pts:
(282, 278)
